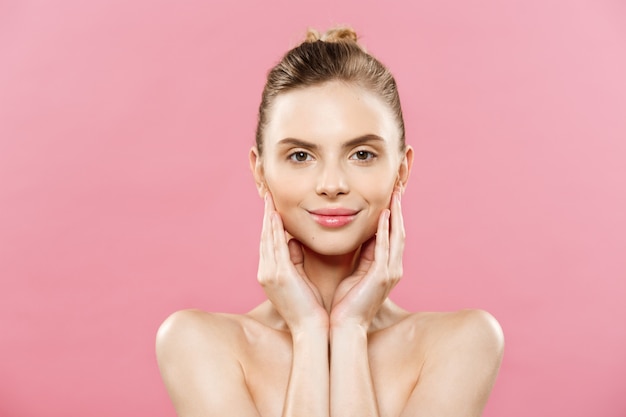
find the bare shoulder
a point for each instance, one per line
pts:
(471, 335)
(196, 326)
(463, 352)
(199, 358)
(469, 328)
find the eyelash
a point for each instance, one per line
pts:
(294, 155)
(371, 155)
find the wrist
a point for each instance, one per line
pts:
(338, 323)
(348, 328)
(310, 327)
(309, 339)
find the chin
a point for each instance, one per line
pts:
(331, 242)
(332, 251)
(333, 245)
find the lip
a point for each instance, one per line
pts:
(333, 217)
(334, 211)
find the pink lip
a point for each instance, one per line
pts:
(334, 211)
(333, 217)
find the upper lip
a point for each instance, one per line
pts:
(334, 211)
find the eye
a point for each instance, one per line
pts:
(363, 155)
(300, 156)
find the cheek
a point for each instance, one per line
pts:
(378, 191)
(284, 190)
(287, 194)
(378, 199)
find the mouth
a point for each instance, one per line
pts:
(333, 217)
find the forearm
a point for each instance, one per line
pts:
(308, 389)
(351, 388)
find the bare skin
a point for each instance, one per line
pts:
(329, 341)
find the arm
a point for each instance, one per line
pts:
(197, 357)
(281, 273)
(307, 392)
(352, 389)
(356, 303)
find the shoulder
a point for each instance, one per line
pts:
(186, 329)
(199, 355)
(463, 354)
(472, 327)
(480, 335)
(188, 338)
(472, 334)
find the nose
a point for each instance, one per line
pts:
(332, 181)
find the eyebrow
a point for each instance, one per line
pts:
(349, 144)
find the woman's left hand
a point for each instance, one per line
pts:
(359, 296)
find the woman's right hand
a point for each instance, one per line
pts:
(281, 274)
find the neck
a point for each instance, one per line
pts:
(327, 271)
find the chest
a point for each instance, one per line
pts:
(394, 363)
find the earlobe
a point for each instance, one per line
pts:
(256, 166)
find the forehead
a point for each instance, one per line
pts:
(330, 113)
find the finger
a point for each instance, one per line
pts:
(397, 235)
(295, 252)
(366, 257)
(281, 250)
(367, 249)
(270, 200)
(276, 224)
(381, 251)
(266, 248)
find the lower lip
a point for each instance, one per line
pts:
(332, 221)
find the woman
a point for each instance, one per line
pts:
(331, 163)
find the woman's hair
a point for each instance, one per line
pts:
(335, 55)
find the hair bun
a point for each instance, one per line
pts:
(336, 34)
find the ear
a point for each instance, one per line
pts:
(405, 169)
(256, 166)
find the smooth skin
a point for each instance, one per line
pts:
(329, 341)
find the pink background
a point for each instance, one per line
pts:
(125, 192)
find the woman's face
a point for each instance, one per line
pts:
(331, 159)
